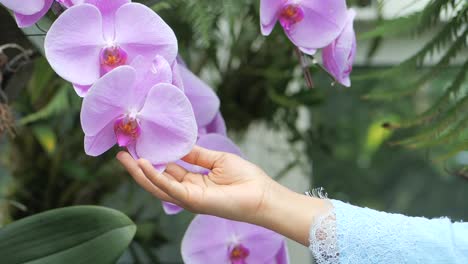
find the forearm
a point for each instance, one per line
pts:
(291, 214)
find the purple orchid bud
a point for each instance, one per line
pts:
(109, 34)
(232, 243)
(124, 107)
(204, 100)
(338, 57)
(309, 24)
(209, 141)
(27, 13)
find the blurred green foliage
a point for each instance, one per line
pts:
(258, 80)
(78, 234)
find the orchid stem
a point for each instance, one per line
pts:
(35, 35)
(305, 69)
(40, 29)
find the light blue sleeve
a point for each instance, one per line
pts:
(350, 234)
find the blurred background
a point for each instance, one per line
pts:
(397, 140)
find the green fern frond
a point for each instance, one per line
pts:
(441, 103)
(413, 86)
(438, 128)
(393, 27)
(454, 135)
(454, 150)
(431, 13)
(446, 35)
(454, 29)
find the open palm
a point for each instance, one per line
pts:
(234, 188)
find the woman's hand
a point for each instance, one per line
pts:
(234, 188)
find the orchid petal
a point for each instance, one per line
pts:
(282, 257)
(132, 151)
(73, 44)
(28, 8)
(101, 142)
(70, 3)
(218, 143)
(258, 240)
(171, 209)
(28, 20)
(322, 23)
(269, 15)
(192, 168)
(150, 73)
(107, 100)
(217, 125)
(308, 51)
(204, 100)
(81, 90)
(200, 245)
(108, 10)
(169, 130)
(338, 57)
(147, 36)
(176, 76)
(160, 71)
(262, 244)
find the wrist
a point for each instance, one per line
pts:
(289, 213)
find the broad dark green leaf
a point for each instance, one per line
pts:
(81, 234)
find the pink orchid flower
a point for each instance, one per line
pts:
(210, 141)
(309, 24)
(126, 107)
(338, 57)
(204, 100)
(210, 239)
(28, 12)
(90, 39)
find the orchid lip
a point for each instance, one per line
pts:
(238, 254)
(127, 130)
(111, 57)
(290, 14)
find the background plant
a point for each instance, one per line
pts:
(259, 80)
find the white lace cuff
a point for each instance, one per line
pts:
(323, 239)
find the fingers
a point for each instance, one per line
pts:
(165, 182)
(176, 171)
(135, 171)
(203, 157)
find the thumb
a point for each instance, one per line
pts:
(203, 157)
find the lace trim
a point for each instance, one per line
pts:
(323, 239)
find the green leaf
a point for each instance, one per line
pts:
(81, 234)
(57, 105)
(42, 79)
(46, 137)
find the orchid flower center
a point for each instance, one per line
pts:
(112, 57)
(290, 14)
(127, 130)
(238, 254)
